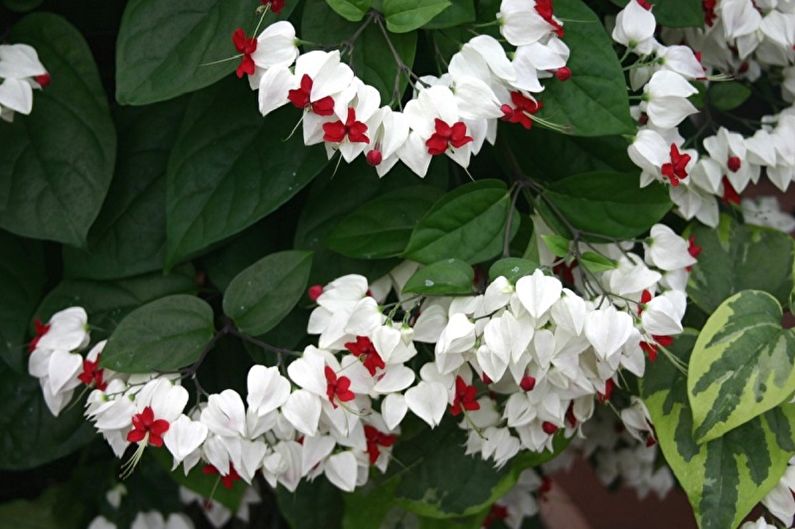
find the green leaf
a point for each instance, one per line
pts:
(230, 167)
(29, 434)
(369, 505)
(467, 223)
(22, 281)
(382, 227)
(543, 153)
(353, 10)
(22, 6)
(737, 257)
(163, 335)
(444, 278)
(441, 481)
(727, 95)
(265, 292)
(460, 12)
(371, 58)
(313, 505)
(206, 485)
(512, 268)
(593, 102)
(675, 13)
(743, 364)
(56, 164)
(129, 236)
(107, 302)
(557, 244)
(724, 478)
(48, 511)
(596, 262)
(403, 16)
(605, 203)
(164, 48)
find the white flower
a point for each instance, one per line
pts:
(662, 316)
(635, 25)
(21, 72)
(225, 414)
(341, 470)
(667, 250)
(759, 524)
(538, 292)
(302, 410)
(608, 330)
(276, 46)
(665, 99)
(780, 501)
(766, 211)
(457, 337)
(520, 22)
(183, 438)
(728, 149)
(267, 389)
(428, 401)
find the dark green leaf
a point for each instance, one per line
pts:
(107, 302)
(164, 48)
(743, 364)
(444, 278)
(545, 155)
(512, 268)
(48, 511)
(467, 223)
(728, 95)
(264, 293)
(724, 478)
(29, 434)
(230, 167)
(353, 10)
(609, 204)
(22, 280)
(460, 12)
(737, 257)
(163, 335)
(403, 16)
(382, 227)
(440, 481)
(129, 236)
(22, 6)
(57, 163)
(593, 102)
(313, 505)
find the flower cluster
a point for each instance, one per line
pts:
(516, 365)
(664, 73)
(20, 73)
(451, 115)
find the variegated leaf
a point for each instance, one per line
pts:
(726, 477)
(743, 364)
(737, 257)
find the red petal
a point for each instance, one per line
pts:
(437, 145)
(136, 436)
(159, 427)
(334, 132)
(442, 128)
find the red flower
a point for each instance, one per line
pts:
(227, 480)
(549, 428)
(563, 73)
(376, 440)
(338, 387)
(676, 169)
(498, 512)
(40, 330)
(734, 163)
(730, 195)
(93, 374)
(44, 80)
(709, 11)
(364, 349)
(374, 158)
(144, 424)
(337, 131)
(522, 110)
(544, 8)
(527, 383)
(275, 5)
(693, 249)
(570, 417)
(645, 297)
(650, 348)
(608, 393)
(245, 45)
(464, 398)
(314, 292)
(645, 4)
(300, 98)
(447, 135)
